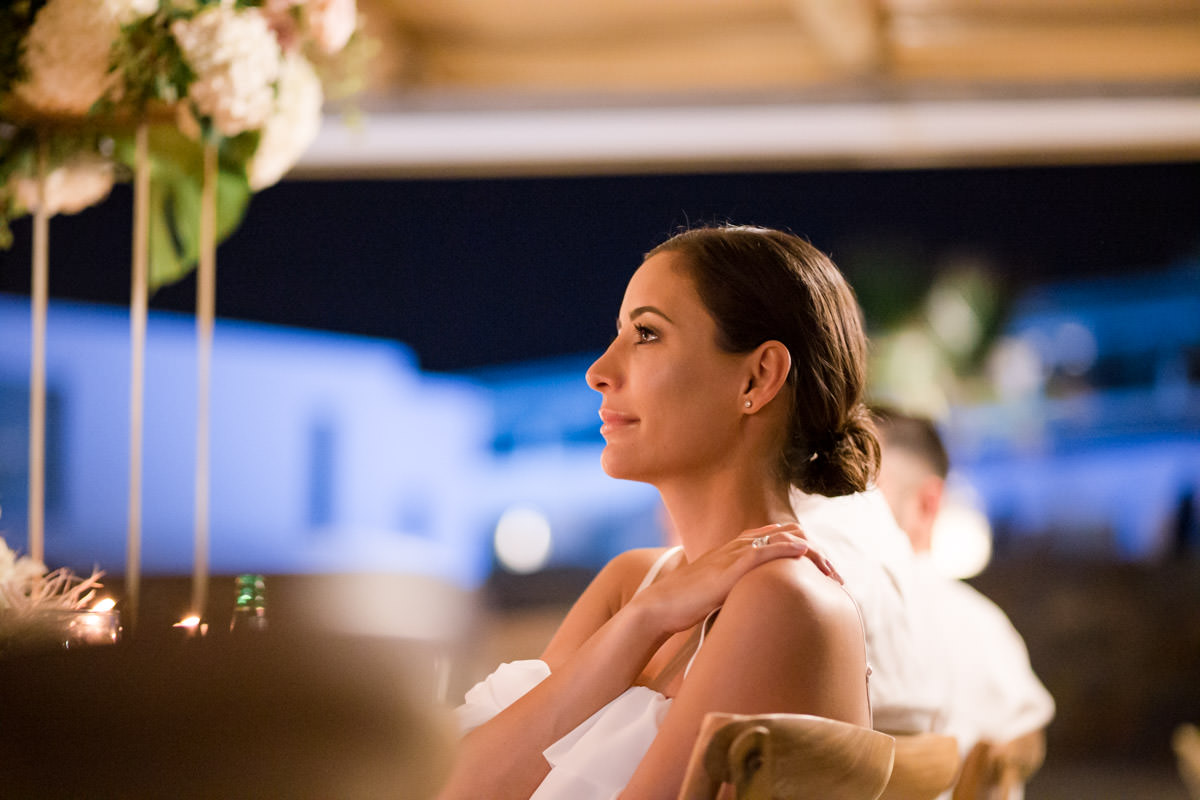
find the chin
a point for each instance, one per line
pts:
(621, 469)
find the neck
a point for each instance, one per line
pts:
(707, 513)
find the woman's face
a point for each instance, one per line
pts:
(672, 400)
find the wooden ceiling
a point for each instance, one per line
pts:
(635, 47)
(519, 86)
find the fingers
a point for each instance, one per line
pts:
(780, 531)
(775, 541)
(826, 566)
(788, 539)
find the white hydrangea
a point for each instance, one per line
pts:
(82, 181)
(279, 16)
(236, 60)
(330, 23)
(278, 8)
(291, 129)
(67, 52)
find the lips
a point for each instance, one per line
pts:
(612, 421)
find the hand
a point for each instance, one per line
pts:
(686, 595)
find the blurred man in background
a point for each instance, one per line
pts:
(858, 534)
(990, 698)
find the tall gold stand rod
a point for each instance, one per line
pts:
(39, 297)
(206, 302)
(138, 300)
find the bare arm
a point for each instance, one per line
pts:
(597, 654)
(593, 657)
(787, 641)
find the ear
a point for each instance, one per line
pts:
(929, 496)
(768, 367)
(928, 501)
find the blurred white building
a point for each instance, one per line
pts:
(330, 453)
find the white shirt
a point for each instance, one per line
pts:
(988, 688)
(859, 535)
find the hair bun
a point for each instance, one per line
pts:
(845, 461)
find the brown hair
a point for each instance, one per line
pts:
(915, 434)
(760, 285)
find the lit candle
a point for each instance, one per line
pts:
(191, 625)
(98, 625)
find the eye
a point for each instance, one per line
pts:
(644, 334)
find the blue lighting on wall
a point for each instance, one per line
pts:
(329, 452)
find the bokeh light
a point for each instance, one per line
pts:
(962, 536)
(523, 540)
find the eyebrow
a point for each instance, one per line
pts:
(640, 310)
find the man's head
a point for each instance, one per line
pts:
(913, 471)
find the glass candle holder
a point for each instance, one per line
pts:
(88, 627)
(59, 628)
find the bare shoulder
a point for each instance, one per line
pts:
(605, 595)
(792, 621)
(626, 571)
(795, 598)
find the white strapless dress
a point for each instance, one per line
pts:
(597, 759)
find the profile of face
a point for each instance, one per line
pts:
(672, 399)
(716, 317)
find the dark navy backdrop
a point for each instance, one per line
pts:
(475, 272)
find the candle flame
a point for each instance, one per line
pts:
(104, 604)
(188, 622)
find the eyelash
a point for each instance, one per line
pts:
(644, 334)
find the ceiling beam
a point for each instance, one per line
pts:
(880, 134)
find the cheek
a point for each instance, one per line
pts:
(692, 402)
(678, 392)
(667, 385)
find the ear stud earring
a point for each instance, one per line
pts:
(747, 404)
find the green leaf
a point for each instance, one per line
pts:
(16, 18)
(233, 198)
(151, 64)
(167, 264)
(176, 177)
(237, 151)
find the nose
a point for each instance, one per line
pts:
(599, 375)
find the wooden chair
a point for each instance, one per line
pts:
(793, 756)
(926, 765)
(1186, 743)
(993, 770)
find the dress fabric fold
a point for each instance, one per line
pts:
(594, 761)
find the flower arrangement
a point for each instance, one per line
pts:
(77, 76)
(32, 600)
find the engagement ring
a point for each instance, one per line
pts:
(761, 541)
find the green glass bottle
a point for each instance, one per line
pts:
(250, 605)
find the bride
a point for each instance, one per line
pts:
(736, 373)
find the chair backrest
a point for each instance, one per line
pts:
(995, 770)
(794, 756)
(1186, 743)
(926, 765)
